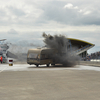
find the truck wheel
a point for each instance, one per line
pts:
(37, 65)
(47, 65)
(53, 64)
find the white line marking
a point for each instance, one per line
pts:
(3, 69)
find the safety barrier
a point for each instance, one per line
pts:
(95, 60)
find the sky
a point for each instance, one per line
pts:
(24, 21)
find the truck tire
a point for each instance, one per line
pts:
(37, 65)
(47, 65)
(53, 64)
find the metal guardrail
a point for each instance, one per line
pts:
(83, 48)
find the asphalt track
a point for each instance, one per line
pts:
(27, 82)
(26, 67)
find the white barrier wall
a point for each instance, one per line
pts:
(95, 60)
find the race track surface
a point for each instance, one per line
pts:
(27, 82)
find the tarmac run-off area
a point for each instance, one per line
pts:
(27, 82)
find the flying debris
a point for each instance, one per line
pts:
(64, 55)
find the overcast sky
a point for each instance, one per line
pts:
(26, 20)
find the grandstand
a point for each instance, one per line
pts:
(80, 46)
(93, 56)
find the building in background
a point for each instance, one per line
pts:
(79, 46)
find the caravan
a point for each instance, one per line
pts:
(40, 56)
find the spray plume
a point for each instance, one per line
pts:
(65, 55)
(19, 50)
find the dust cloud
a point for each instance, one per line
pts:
(65, 54)
(19, 50)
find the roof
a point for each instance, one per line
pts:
(39, 50)
(79, 42)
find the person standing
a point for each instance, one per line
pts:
(1, 59)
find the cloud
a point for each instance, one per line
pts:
(33, 13)
(72, 14)
(16, 11)
(87, 12)
(12, 31)
(27, 19)
(19, 13)
(69, 6)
